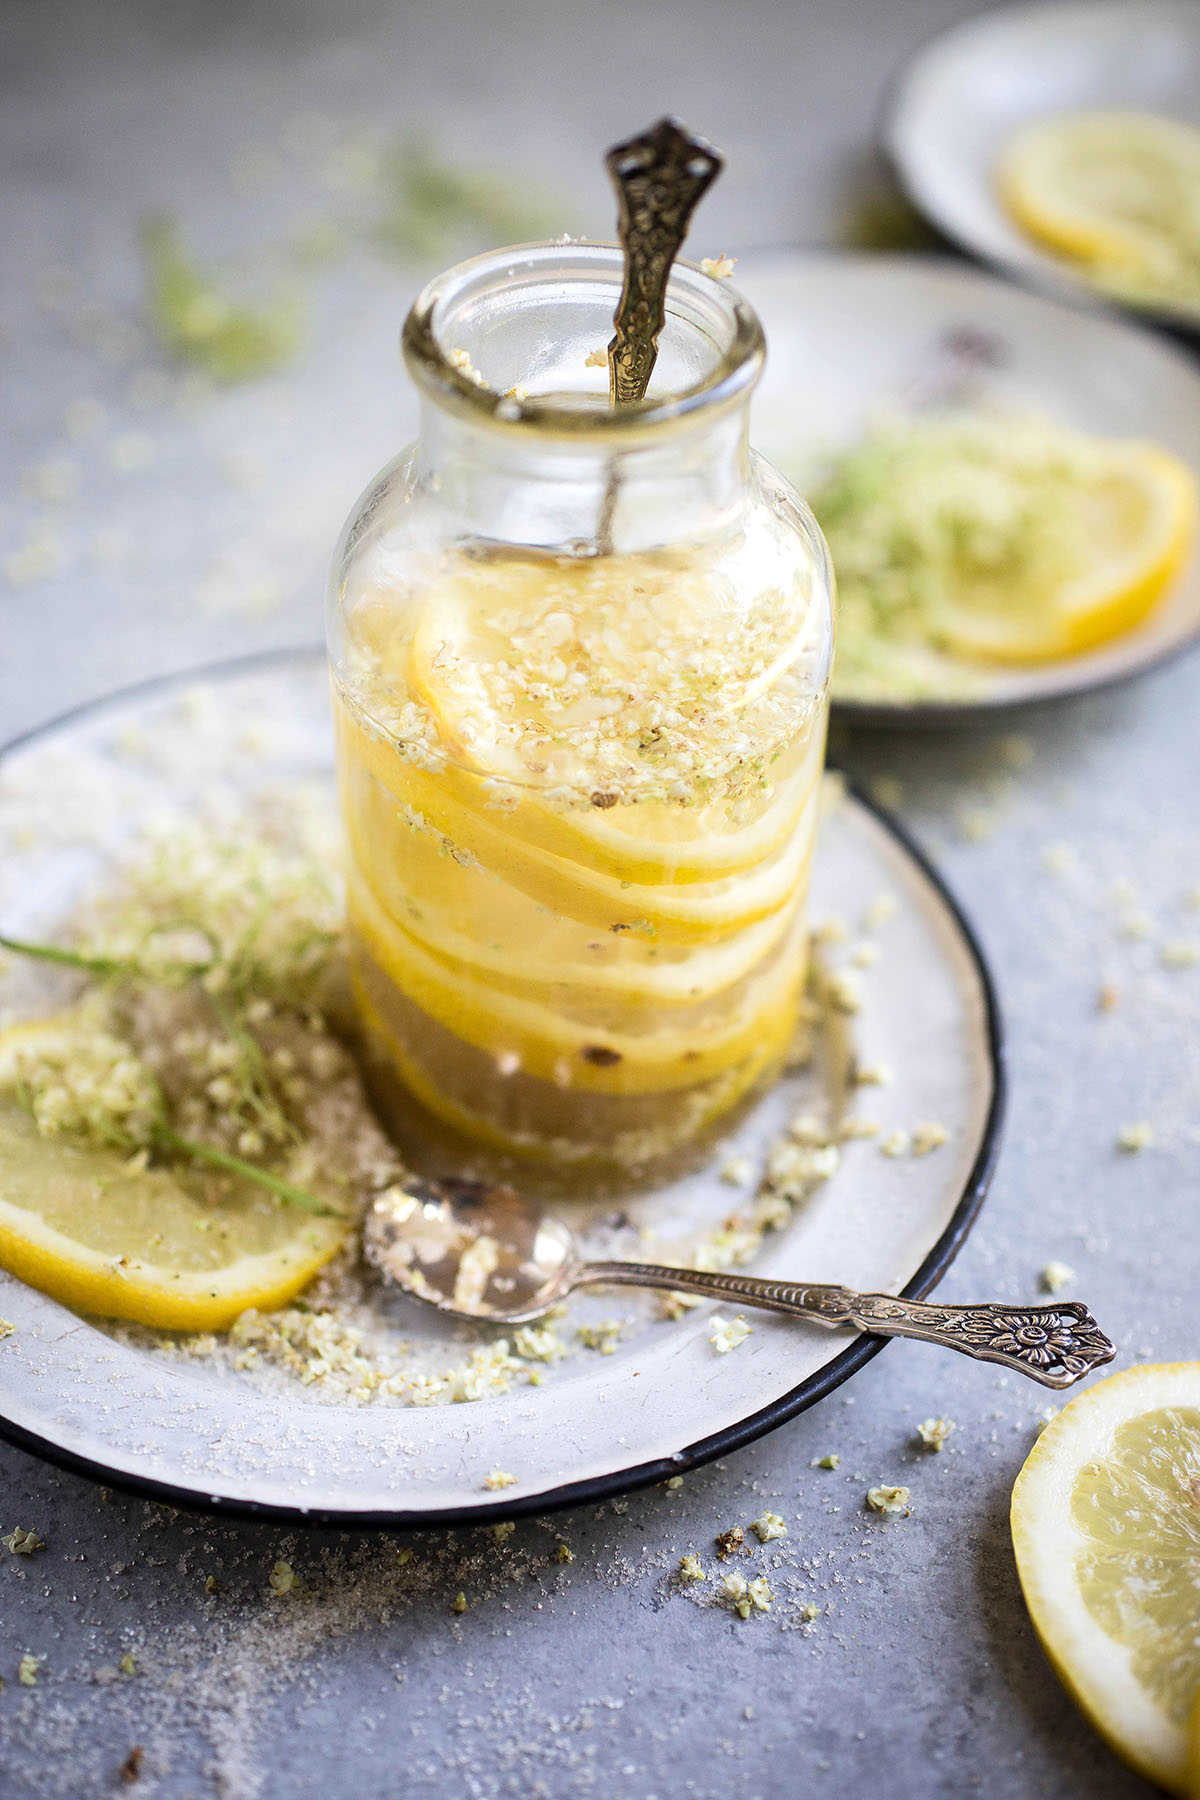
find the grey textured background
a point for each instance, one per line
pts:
(921, 1676)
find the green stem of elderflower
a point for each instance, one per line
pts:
(165, 1138)
(69, 959)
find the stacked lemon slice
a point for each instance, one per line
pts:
(581, 800)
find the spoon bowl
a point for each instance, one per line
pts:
(476, 1251)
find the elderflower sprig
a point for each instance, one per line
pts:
(90, 1085)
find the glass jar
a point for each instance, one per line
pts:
(580, 666)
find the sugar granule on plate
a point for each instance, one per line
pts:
(934, 1432)
(768, 1525)
(893, 1501)
(726, 1334)
(1056, 1276)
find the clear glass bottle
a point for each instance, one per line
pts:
(580, 664)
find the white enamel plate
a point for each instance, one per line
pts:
(665, 1400)
(965, 93)
(849, 337)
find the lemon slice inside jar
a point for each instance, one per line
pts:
(550, 1043)
(1106, 1528)
(171, 1249)
(651, 727)
(1117, 192)
(419, 840)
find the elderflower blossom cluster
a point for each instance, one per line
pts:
(84, 1082)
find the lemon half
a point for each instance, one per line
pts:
(1106, 1528)
(169, 1249)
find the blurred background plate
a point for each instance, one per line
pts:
(968, 90)
(850, 336)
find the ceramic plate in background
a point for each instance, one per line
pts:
(849, 336)
(966, 92)
(190, 1430)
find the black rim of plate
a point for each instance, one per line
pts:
(962, 258)
(621, 1481)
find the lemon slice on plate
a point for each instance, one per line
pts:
(170, 1249)
(1134, 515)
(1118, 192)
(999, 537)
(1106, 1528)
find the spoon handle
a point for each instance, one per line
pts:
(1054, 1344)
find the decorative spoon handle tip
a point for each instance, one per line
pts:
(1055, 1344)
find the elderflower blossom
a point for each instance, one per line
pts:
(82, 1081)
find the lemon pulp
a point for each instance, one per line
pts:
(580, 796)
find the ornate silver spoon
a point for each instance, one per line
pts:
(493, 1254)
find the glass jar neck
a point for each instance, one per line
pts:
(579, 496)
(518, 442)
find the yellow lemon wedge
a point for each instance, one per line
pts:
(1117, 192)
(1106, 1528)
(1134, 516)
(175, 1249)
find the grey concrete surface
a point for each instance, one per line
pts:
(200, 528)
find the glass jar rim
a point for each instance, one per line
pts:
(438, 374)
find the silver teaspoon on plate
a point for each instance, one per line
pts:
(495, 1255)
